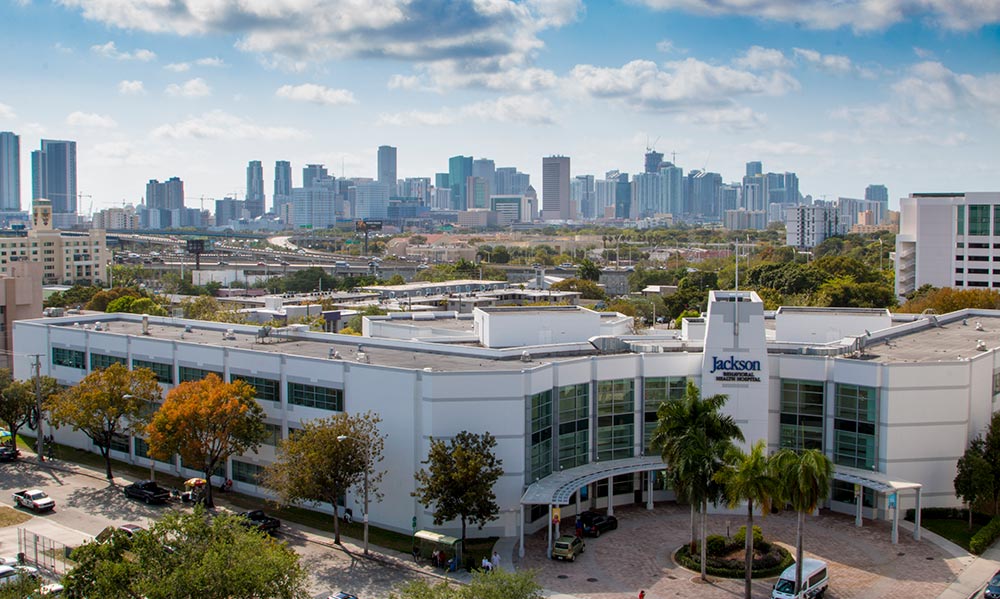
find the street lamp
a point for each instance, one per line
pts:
(342, 438)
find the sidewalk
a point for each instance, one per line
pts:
(972, 580)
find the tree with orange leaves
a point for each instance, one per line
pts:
(205, 422)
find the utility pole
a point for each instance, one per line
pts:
(39, 433)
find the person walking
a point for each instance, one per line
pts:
(642, 594)
(495, 560)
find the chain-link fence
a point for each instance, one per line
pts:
(43, 552)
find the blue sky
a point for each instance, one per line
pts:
(900, 92)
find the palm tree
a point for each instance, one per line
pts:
(692, 437)
(749, 477)
(805, 482)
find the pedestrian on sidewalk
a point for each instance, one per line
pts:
(642, 594)
(495, 560)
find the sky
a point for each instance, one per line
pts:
(845, 93)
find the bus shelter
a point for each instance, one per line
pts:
(428, 544)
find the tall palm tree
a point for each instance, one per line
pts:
(749, 477)
(692, 436)
(805, 482)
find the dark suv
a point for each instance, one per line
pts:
(595, 523)
(992, 590)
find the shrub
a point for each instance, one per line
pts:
(716, 545)
(948, 513)
(982, 540)
(770, 564)
(740, 538)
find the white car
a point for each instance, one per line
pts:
(11, 574)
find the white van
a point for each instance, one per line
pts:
(815, 579)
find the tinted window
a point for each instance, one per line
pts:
(785, 586)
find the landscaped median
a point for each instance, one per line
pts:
(726, 556)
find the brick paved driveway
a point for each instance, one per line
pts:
(863, 562)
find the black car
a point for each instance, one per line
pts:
(260, 520)
(147, 491)
(595, 523)
(992, 590)
(8, 453)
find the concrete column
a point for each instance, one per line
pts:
(649, 489)
(520, 526)
(916, 518)
(895, 521)
(611, 497)
(858, 500)
(578, 502)
(548, 529)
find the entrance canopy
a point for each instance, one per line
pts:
(876, 481)
(558, 487)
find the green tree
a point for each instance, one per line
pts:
(974, 478)
(749, 477)
(315, 466)
(101, 299)
(17, 399)
(692, 436)
(205, 422)
(588, 271)
(459, 479)
(986, 447)
(188, 555)
(587, 289)
(805, 482)
(106, 403)
(499, 584)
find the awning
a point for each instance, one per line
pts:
(558, 487)
(876, 481)
(435, 537)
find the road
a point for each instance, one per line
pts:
(86, 503)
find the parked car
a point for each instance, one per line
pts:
(567, 547)
(147, 491)
(992, 590)
(343, 595)
(53, 589)
(34, 499)
(595, 523)
(261, 521)
(11, 574)
(129, 530)
(8, 453)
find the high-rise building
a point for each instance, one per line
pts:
(313, 207)
(387, 167)
(623, 197)
(701, 198)
(168, 195)
(459, 170)
(53, 175)
(10, 172)
(653, 161)
(478, 196)
(312, 172)
(485, 169)
(417, 187)
(755, 168)
(581, 193)
(282, 184)
(228, 210)
(880, 194)
(371, 200)
(509, 181)
(556, 203)
(809, 226)
(255, 200)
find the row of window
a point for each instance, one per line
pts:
(244, 472)
(855, 424)
(978, 219)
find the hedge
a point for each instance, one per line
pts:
(982, 540)
(948, 513)
(772, 563)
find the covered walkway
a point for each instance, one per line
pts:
(882, 485)
(559, 487)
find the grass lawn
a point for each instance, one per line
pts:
(956, 531)
(11, 517)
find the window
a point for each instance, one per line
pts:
(960, 221)
(102, 361)
(574, 425)
(615, 419)
(979, 219)
(979, 271)
(979, 246)
(220, 469)
(540, 444)
(801, 414)
(187, 373)
(979, 258)
(266, 389)
(855, 432)
(312, 396)
(273, 434)
(164, 372)
(246, 473)
(70, 358)
(996, 382)
(657, 391)
(142, 450)
(119, 443)
(959, 271)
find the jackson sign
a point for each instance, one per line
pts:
(736, 371)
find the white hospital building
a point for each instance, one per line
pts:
(571, 394)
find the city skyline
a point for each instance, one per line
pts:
(845, 95)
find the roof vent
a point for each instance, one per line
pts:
(98, 326)
(363, 358)
(333, 354)
(229, 335)
(145, 324)
(979, 326)
(187, 328)
(980, 345)
(525, 356)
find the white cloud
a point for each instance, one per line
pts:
(932, 87)
(408, 82)
(90, 119)
(62, 49)
(923, 52)
(218, 124)
(122, 153)
(757, 58)
(192, 88)
(506, 109)
(183, 67)
(668, 47)
(860, 15)
(131, 88)
(779, 148)
(317, 94)
(6, 112)
(834, 63)
(737, 118)
(178, 67)
(679, 85)
(109, 50)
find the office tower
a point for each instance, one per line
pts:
(653, 161)
(311, 172)
(623, 196)
(53, 175)
(229, 210)
(510, 181)
(604, 195)
(880, 194)
(459, 170)
(754, 168)
(485, 169)
(701, 197)
(478, 196)
(416, 187)
(729, 197)
(168, 195)
(313, 207)
(255, 189)
(371, 200)
(530, 213)
(387, 167)
(441, 181)
(282, 184)
(809, 226)
(581, 193)
(850, 210)
(555, 189)
(508, 209)
(10, 172)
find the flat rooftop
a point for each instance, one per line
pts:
(954, 339)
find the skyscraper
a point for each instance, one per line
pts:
(10, 172)
(311, 172)
(255, 189)
(582, 195)
(371, 200)
(754, 168)
(387, 167)
(880, 194)
(556, 204)
(653, 161)
(282, 184)
(53, 175)
(511, 182)
(459, 170)
(168, 195)
(485, 169)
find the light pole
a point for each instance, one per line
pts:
(365, 505)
